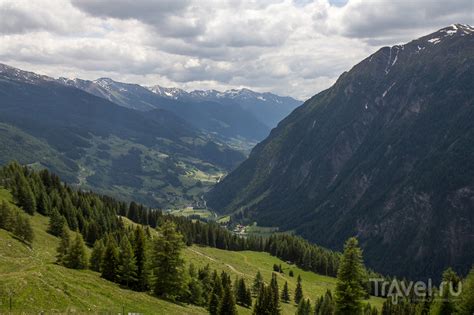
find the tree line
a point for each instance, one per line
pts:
(123, 254)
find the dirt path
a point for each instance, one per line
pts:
(212, 259)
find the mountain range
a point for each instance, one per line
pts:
(229, 116)
(385, 154)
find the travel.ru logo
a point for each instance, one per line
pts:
(396, 289)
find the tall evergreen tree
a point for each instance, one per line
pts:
(22, 228)
(63, 248)
(285, 293)
(56, 222)
(127, 268)
(227, 303)
(25, 196)
(242, 293)
(325, 305)
(77, 255)
(195, 288)
(216, 295)
(465, 306)
(167, 262)
(350, 279)
(275, 294)
(110, 260)
(298, 291)
(257, 283)
(304, 307)
(97, 255)
(139, 247)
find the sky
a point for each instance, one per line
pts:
(288, 47)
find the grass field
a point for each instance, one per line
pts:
(36, 284)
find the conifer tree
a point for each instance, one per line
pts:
(110, 260)
(97, 255)
(275, 295)
(22, 228)
(25, 197)
(6, 216)
(465, 306)
(350, 279)
(242, 293)
(195, 288)
(127, 268)
(304, 307)
(139, 247)
(56, 223)
(257, 283)
(167, 262)
(77, 256)
(285, 293)
(325, 305)
(227, 303)
(298, 291)
(63, 248)
(216, 294)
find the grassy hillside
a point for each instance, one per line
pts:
(247, 263)
(35, 283)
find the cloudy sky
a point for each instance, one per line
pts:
(290, 47)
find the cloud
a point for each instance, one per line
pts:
(290, 47)
(388, 21)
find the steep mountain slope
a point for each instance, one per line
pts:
(222, 121)
(384, 154)
(153, 156)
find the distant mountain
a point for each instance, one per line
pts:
(385, 154)
(268, 108)
(224, 121)
(154, 156)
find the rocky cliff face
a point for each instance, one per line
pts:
(385, 154)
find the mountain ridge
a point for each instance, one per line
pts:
(378, 155)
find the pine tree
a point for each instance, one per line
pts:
(216, 295)
(6, 216)
(195, 288)
(285, 293)
(25, 197)
(127, 268)
(227, 303)
(465, 306)
(22, 228)
(257, 283)
(291, 274)
(97, 255)
(110, 260)
(298, 291)
(242, 293)
(139, 247)
(77, 256)
(304, 307)
(167, 262)
(325, 305)
(56, 223)
(63, 248)
(446, 305)
(275, 295)
(350, 277)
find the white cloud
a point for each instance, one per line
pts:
(291, 47)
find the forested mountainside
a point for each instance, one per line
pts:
(156, 157)
(385, 154)
(47, 230)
